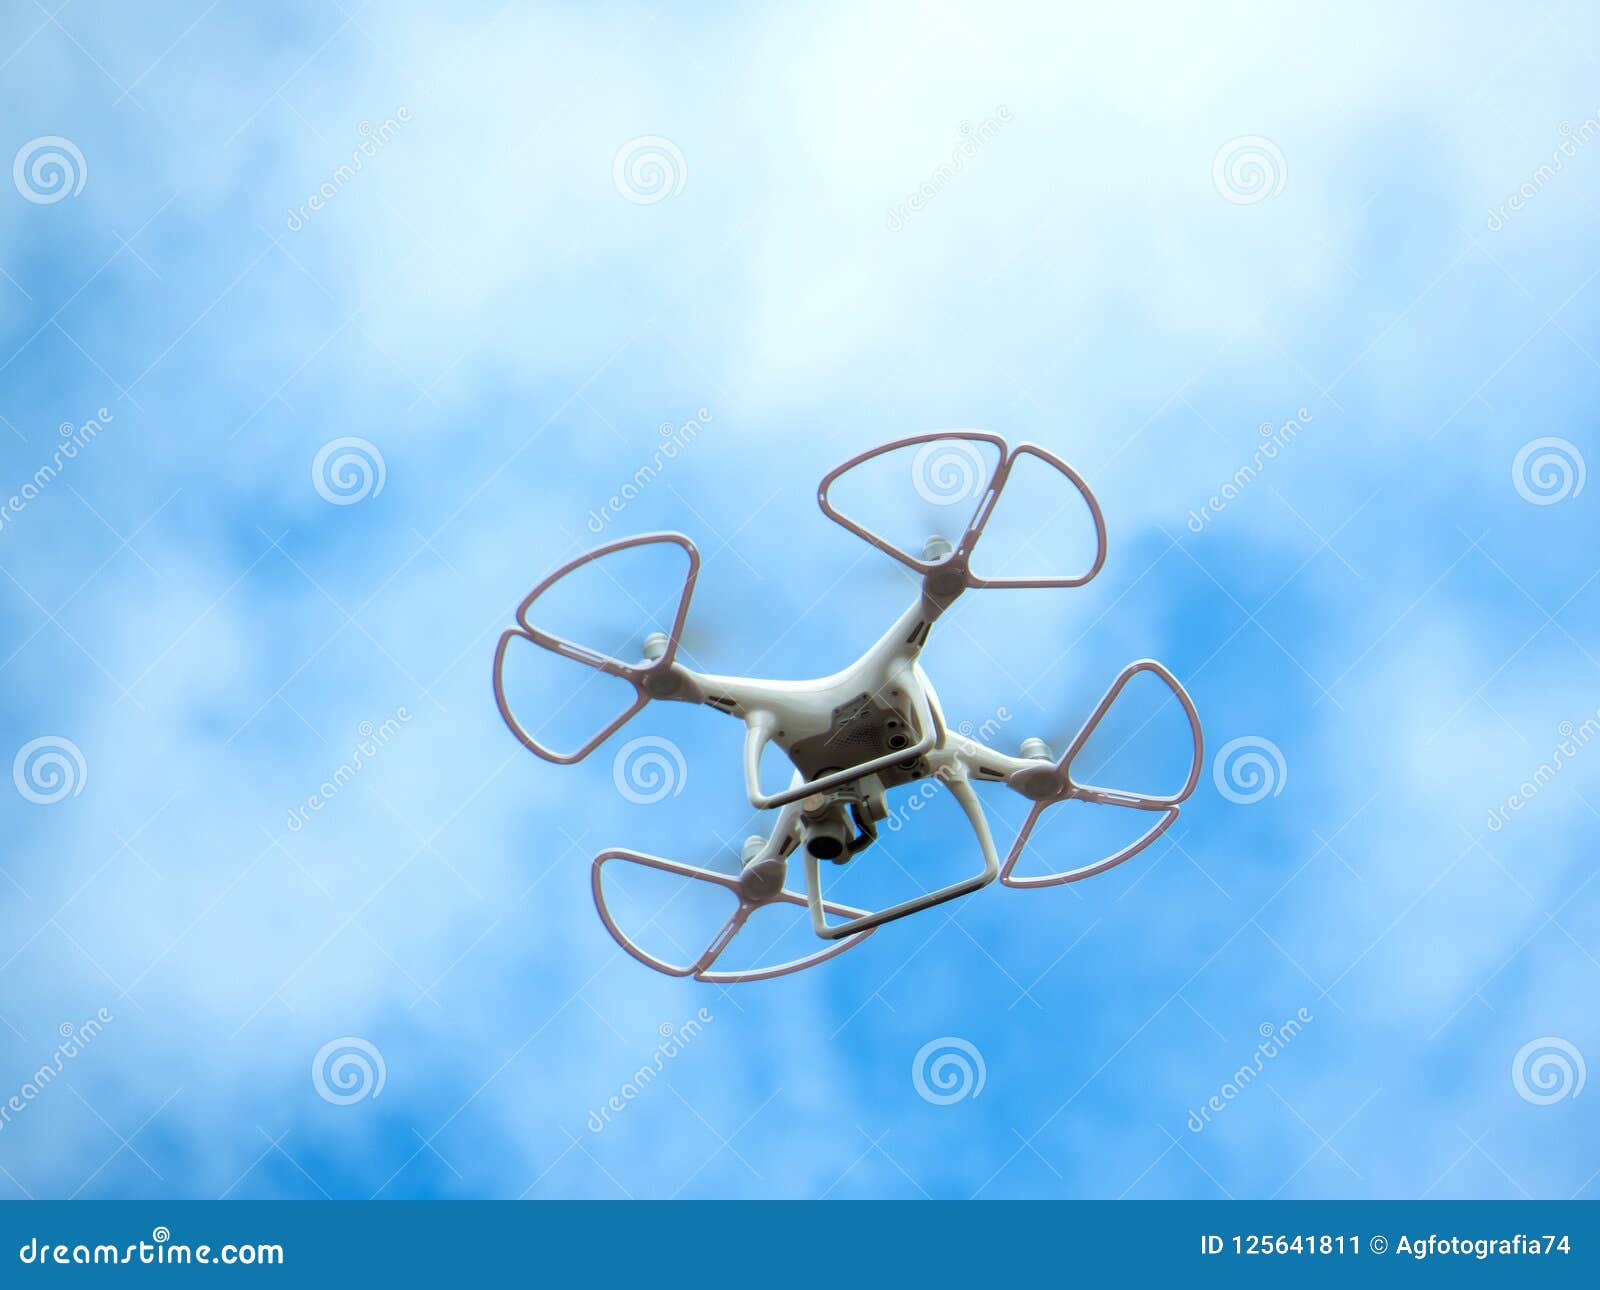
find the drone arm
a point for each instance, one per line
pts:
(955, 780)
(983, 762)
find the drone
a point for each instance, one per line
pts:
(852, 737)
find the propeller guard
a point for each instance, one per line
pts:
(1048, 785)
(651, 680)
(700, 969)
(953, 571)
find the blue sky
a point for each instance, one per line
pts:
(509, 325)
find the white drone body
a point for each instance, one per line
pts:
(852, 736)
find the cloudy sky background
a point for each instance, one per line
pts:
(481, 302)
